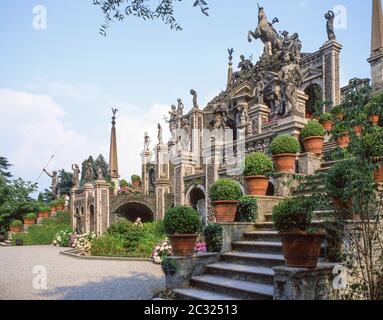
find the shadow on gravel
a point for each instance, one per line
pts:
(138, 286)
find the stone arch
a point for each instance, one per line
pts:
(196, 198)
(315, 93)
(133, 209)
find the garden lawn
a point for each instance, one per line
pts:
(45, 233)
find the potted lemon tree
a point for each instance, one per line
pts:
(313, 137)
(284, 149)
(301, 244)
(182, 224)
(225, 194)
(257, 165)
(30, 219)
(15, 226)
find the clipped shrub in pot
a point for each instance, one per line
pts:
(136, 180)
(52, 205)
(372, 146)
(341, 133)
(301, 244)
(60, 205)
(313, 137)
(30, 219)
(257, 165)
(374, 108)
(123, 184)
(326, 119)
(225, 195)
(181, 224)
(284, 149)
(214, 237)
(16, 226)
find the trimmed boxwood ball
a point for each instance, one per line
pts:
(293, 214)
(31, 216)
(181, 220)
(123, 183)
(312, 129)
(256, 164)
(284, 144)
(16, 223)
(225, 190)
(135, 178)
(214, 237)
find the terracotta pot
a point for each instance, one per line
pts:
(285, 162)
(47, 214)
(14, 229)
(343, 140)
(375, 119)
(136, 184)
(327, 125)
(29, 221)
(41, 215)
(378, 174)
(225, 211)
(183, 244)
(60, 207)
(358, 130)
(53, 210)
(313, 145)
(257, 185)
(300, 249)
(309, 115)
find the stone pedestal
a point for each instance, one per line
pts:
(291, 125)
(196, 122)
(162, 182)
(285, 184)
(102, 207)
(303, 284)
(259, 114)
(188, 267)
(309, 163)
(266, 206)
(331, 80)
(233, 231)
(89, 193)
(146, 160)
(184, 165)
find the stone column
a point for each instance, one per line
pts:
(303, 284)
(184, 165)
(146, 156)
(88, 192)
(331, 79)
(259, 114)
(196, 122)
(101, 207)
(162, 182)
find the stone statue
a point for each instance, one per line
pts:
(195, 99)
(291, 79)
(66, 206)
(243, 120)
(330, 16)
(185, 135)
(76, 175)
(147, 142)
(287, 42)
(173, 122)
(55, 182)
(220, 119)
(100, 175)
(266, 32)
(138, 223)
(245, 64)
(296, 47)
(201, 209)
(79, 226)
(160, 141)
(259, 88)
(89, 173)
(180, 109)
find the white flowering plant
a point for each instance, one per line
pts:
(162, 250)
(83, 242)
(63, 238)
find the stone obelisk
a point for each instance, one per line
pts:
(376, 57)
(113, 159)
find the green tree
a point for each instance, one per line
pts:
(48, 195)
(4, 166)
(65, 182)
(117, 10)
(101, 162)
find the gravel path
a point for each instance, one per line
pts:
(74, 279)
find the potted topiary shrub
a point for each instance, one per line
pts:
(338, 112)
(357, 122)
(60, 205)
(15, 226)
(46, 210)
(284, 149)
(123, 185)
(30, 218)
(326, 119)
(341, 133)
(374, 108)
(40, 214)
(313, 137)
(372, 146)
(53, 204)
(136, 180)
(301, 244)
(181, 224)
(257, 165)
(225, 195)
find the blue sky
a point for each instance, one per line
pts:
(57, 85)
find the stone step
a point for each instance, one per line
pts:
(242, 272)
(237, 288)
(200, 294)
(254, 259)
(257, 246)
(270, 236)
(4, 244)
(264, 226)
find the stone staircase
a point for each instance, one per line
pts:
(6, 243)
(244, 273)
